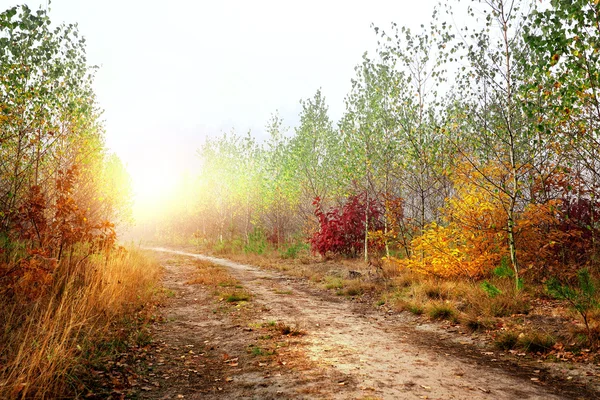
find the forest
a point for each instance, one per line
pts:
(458, 153)
(465, 156)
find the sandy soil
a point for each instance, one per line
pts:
(349, 351)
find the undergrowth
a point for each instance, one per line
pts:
(44, 344)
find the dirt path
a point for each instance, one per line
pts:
(349, 352)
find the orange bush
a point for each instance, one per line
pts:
(471, 239)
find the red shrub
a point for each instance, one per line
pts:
(342, 231)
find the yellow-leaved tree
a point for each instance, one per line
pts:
(471, 239)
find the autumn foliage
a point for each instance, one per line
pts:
(469, 240)
(63, 281)
(342, 230)
(555, 230)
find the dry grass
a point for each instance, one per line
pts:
(210, 274)
(227, 288)
(42, 344)
(505, 304)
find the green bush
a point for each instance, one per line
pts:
(292, 250)
(257, 242)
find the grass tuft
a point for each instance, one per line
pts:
(506, 340)
(441, 310)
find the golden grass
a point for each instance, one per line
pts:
(210, 274)
(43, 344)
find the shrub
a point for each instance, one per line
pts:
(292, 250)
(342, 231)
(257, 242)
(583, 300)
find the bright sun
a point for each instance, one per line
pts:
(154, 187)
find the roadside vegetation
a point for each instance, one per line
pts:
(71, 299)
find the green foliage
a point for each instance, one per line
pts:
(257, 242)
(504, 270)
(490, 289)
(582, 299)
(291, 251)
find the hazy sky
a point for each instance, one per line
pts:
(174, 72)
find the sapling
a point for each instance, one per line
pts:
(582, 299)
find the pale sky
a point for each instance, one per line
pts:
(175, 72)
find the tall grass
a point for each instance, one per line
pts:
(44, 344)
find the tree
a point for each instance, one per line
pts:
(490, 123)
(564, 91)
(369, 131)
(315, 153)
(46, 101)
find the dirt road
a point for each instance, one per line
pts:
(349, 351)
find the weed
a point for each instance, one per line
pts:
(416, 309)
(256, 351)
(354, 290)
(535, 342)
(289, 330)
(506, 340)
(441, 310)
(237, 297)
(475, 323)
(408, 305)
(332, 282)
(505, 305)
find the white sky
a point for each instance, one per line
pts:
(174, 72)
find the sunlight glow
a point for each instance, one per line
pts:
(154, 187)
